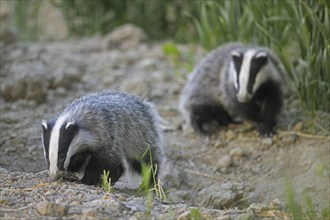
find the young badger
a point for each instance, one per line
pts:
(102, 131)
(234, 82)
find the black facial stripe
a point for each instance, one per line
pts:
(46, 137)
(65, 139)
(256, 64)
(238, 63)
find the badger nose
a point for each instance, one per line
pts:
(244, 98)
(55, 175)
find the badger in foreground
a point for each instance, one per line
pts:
(234, 82)
(108, 131)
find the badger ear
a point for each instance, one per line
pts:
(44, 124)
(70, 125)
(236, 54)
(261, 58)
(261, 54)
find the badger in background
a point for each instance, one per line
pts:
(234, 82)
(102, 131)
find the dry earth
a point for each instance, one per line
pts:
(232, 175)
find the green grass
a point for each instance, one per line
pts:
(106, 182)
(149, 176)
(306, 209)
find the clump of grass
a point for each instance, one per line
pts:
(195, 214)
(106, 182)
(25, 18)
(149, 172)
(306, 210)
(149, 176)
(183, 62)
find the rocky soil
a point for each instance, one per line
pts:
(232, 175)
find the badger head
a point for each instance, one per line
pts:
(65, 148)
(250, 69)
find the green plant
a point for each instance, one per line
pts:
(306, 210)
(25, 18)
(194, 214)
(182, 61)
(150, 184)
(106, 182)
(293, 204)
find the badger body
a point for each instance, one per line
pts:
(102, 131)
(232, 83)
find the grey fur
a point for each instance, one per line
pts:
(114, 127)
(211, 82)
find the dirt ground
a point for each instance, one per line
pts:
(233, 168)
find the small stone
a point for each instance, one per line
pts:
(224, 162)
(236, 152)
(122, 198)
(184, 215)
(277, 204)
(89, 213)
(75, 203)
(53, 209)
(219, 144)
(107, 197)
(267, 141)
(230, 135)
(299, 126)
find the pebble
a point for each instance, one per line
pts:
(267, 141)
(224, 162)
(236, 152)
(53, 209)
(299, 126)
(230, 135)
(122, 198)
(88, 213)
(184, 215)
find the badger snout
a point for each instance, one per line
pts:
(55, 175)
(244, 98)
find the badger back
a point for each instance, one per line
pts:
(251, 67)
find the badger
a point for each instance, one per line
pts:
(234, 82)
(110, 130)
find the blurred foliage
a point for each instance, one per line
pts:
(158, 18)
(298, 31)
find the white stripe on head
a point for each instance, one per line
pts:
(233, 74)
(44, 124)
(53, 146)
(43, 146)
(69, 124)
(244, 75)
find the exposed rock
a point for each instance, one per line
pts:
(52, 209)
(236, 152)
(25, 85)
(52, 26)
(124, 37)
(89, 213)
(224, 162)
(220, 195)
